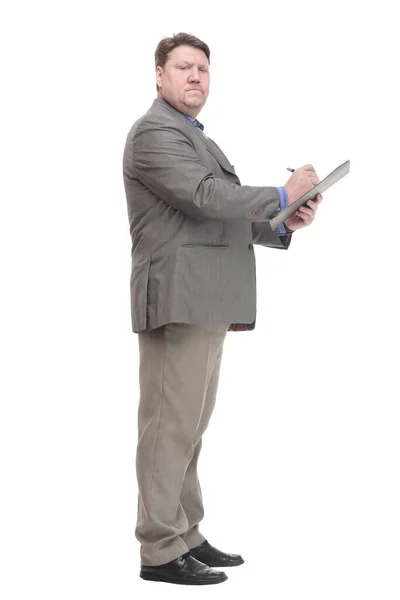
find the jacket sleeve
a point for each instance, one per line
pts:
(264, 236)
(165, 161)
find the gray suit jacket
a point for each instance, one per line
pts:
(193, 226)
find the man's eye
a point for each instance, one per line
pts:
(182, 67)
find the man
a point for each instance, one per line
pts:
(193, 278)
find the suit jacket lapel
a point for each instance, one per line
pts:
(210, 144)
(216, 152)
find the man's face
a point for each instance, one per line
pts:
(185, 80)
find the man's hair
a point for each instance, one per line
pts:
(167, 44)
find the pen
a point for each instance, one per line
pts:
(289, 169)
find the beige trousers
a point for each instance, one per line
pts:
(178, 378)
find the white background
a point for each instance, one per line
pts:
(300, 464)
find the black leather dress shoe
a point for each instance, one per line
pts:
(185, 569)
(213, 557)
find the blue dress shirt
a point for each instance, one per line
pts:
(283, 197)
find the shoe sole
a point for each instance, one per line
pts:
(154, 577)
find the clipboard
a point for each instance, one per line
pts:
(323, 185)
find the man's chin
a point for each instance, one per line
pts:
(195, 103)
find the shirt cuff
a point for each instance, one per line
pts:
(283, 203)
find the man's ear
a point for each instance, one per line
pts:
(159, 72)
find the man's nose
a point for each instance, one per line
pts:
(194, 75)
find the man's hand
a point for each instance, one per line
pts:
(305, 215)
(302, 180)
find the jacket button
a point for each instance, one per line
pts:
(250, 246)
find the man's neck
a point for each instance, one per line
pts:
(184, 112)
